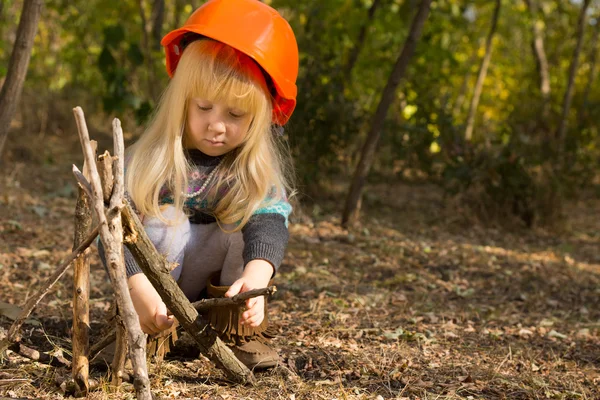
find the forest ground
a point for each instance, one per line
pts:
(420, 302)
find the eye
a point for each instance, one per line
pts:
(237, 114)
(204, 108)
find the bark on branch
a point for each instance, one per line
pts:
(81, 293)
(35, 355)
(157, 270)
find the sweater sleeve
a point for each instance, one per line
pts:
(131, 267)
(266, 234)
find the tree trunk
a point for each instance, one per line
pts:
(352, 206)
(592, 76)
(177, 14)
(360, 41)
(462, 92)
(17, 66)
(539, 54)
(562, 129)
(146, 49)
(157, 17)
(485, 63)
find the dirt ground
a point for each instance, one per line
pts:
(420, 302)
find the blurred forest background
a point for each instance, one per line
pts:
(498, 104)
(467, 129)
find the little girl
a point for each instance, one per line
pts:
(207, 177)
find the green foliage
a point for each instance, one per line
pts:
(115, 62)
(96, 50)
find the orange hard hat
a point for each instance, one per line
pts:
(256, 30)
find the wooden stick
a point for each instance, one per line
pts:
(46, 286)
(238, 299)
(156, 268)
(32, 354)
(111, 235)
(105, 341)
(118, 364)
(105, 171)
(81, 294)
(200, 305)
(70, 388)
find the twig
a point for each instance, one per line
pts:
(105, 341)
(13, 380)
(46, 286)
(111, 234)
(238, 299)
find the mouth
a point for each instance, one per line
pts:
(215, 142)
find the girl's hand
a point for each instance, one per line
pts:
(150, 308)
(256, 275)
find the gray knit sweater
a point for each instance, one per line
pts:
(265, 234)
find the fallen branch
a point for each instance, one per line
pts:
(44, 358)
(46, 286)
(156, 268)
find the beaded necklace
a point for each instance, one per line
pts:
(204, 185)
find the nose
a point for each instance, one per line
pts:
(217, 125)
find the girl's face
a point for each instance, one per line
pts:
(215, 128)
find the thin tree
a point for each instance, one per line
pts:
(147, 49)
(460, 98)
(352, 206)
(360, 41)
(593, 72)
(17, 66)
(562, 129)
(485, 63)
(539, 54)
(177, 14)
(157, 17)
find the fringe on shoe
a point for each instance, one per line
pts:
(226, 320)
(159, 345)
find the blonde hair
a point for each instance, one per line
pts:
(254, 173)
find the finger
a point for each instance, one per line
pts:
(251, 302)
(255, 320)
(234, 288)
(163, 322)
(145, 329)
(246, 315)
(161, 319)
